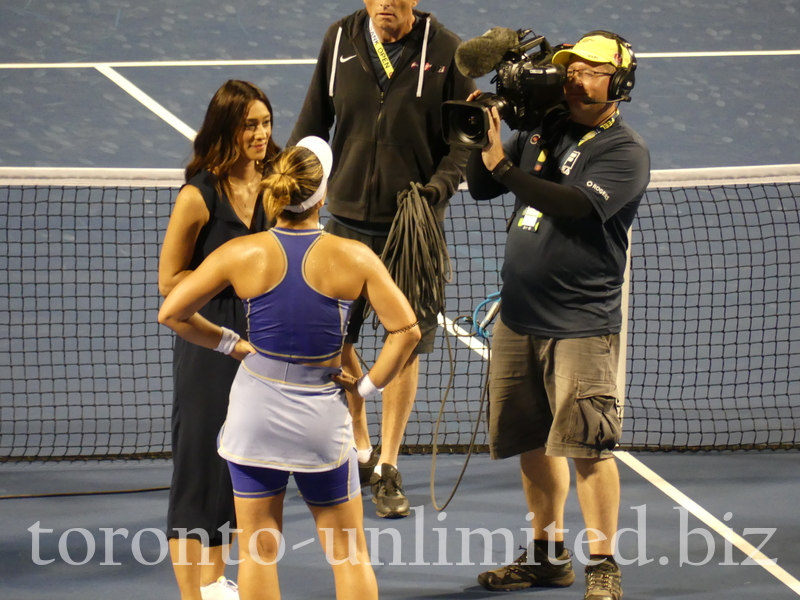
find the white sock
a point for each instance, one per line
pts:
(378, 467)
(364, 455)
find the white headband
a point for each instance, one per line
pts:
(322, 151)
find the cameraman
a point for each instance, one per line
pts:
(577, 180)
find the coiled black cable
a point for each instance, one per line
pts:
(418, 260)
(416, 253)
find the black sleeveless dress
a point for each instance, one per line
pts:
(201, 496)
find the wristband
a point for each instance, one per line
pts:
(228, 341)
(501, 169)
(367, 389)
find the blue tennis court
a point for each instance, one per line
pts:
(85, 368)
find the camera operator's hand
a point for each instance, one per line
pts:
(493, 153)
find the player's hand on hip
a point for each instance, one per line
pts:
(243, 349)
(346, 381)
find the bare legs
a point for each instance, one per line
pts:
(398, 401)
(258, 573)
(196, 566)
(598, 494)
(545, 481)
(341, 532)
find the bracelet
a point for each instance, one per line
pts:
(404, 329)
(228, 341)
(367, 389)
(501, 169)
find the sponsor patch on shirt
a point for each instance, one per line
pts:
(594, 187)
(566, 168)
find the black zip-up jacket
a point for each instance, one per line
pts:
(383, 141)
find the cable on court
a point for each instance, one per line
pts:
(480, 331)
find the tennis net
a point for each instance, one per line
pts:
(713, 349)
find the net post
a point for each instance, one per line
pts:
(623, 333)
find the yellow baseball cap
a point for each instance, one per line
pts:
(596, 48)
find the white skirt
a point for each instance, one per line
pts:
(287, 417)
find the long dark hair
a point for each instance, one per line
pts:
(215, 147)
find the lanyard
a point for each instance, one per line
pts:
(572, 152)
(600, 128)
(383, 57)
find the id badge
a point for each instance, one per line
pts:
(530, 219)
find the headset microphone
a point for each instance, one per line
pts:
(588, 100)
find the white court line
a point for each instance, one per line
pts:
(165, 63)
(464, 336)
(154, 106)
(706, 517)
(313, 61)
(733, 53)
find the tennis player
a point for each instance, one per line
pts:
(288, 411)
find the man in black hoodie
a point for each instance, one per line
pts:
(382, 75)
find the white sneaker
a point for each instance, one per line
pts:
(221, 589)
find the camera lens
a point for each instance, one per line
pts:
(465, 123)
(472, 126)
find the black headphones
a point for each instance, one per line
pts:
(624, 78)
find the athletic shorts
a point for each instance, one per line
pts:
(320, 488)
(428, 321)
(558, 394)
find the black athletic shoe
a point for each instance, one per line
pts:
(365, 470)
(603, 582)
(519, 575)
(387, 493)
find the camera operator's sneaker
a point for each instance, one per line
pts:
(387, 493)
(365, 470)
(221, 589)
(603, 582)
(519, 575)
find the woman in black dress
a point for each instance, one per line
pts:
(218, 203)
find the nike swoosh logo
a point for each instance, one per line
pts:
(344, 59)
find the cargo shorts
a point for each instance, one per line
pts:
(557, 394)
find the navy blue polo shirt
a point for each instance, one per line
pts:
(562, 277)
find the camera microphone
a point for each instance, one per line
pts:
(479, 56)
